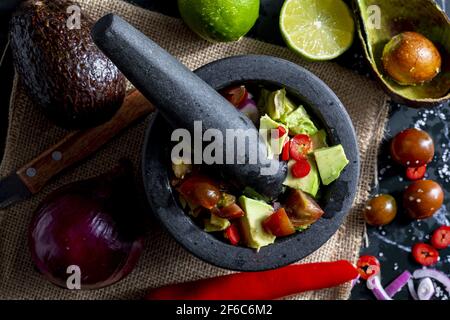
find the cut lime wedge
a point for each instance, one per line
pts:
(317, 29)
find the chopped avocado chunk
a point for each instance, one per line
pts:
(216, 223)
(319, 140)
(274, 146)
(309, 184)
(278, 105)
(299, 122)
(330, 162)
(255, 213)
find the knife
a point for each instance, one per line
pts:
(76, 146)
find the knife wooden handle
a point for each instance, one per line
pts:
(78, 145)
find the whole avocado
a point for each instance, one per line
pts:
(61, 68)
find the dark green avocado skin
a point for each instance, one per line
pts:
(63, 71)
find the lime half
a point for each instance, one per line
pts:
(317, 29)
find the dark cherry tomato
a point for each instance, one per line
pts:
(232, 234)
(301, 168)
(285, 153)
(425, 254)
(412, 148)
(441, 237)
(302, 209)
(279, 224)
(422, 199)
(368, 266)
(380, 210)
(414, 174)
(232, 211)
(236, 95)
(281, 131)
(300, 146)
(200, 190)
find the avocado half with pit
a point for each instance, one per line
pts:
(380, 20)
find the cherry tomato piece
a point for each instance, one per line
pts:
(412, 148)
(301, 168)
(236, 95)
(422, 199)
(200, 190)
(300, 146)
(380, 210)
(441, 237)
(285, 156)
(232, 234)
(232, 211)
(368, 266)
(416, 173)
(425, 254)
(279, 224)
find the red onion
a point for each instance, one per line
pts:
(434, 274)
(412, 290)
(94, 225)
(426, 289)
(374, 284)
(395, 286)
(249, 108)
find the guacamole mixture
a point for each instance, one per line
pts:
(244, 217)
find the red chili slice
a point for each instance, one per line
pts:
(280, 133)
(301, 168)
(416, 173)
(285, 153)
(425, 254)
(368, 266)
(232, 234)
(300, 146)
(236, 95)
(441, 237)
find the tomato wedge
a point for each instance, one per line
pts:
(300, 146)
(368, 266)
(425, 254)
(441, 237)
(279, 224)
(236, 95)
(301, 168)
(416, 173)
(232, 211)
(285, 153)
(200, 190)
(232, 234)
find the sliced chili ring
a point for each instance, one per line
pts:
(416, 173)
(368, 266)
(425, 254)
(300, 146)
(301, 168)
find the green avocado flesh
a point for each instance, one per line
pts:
(299, 122)
(330, 162)
(216, 223)
(251, 223)
(309, 184)
(274, 146)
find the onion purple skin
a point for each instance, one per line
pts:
(94, 224)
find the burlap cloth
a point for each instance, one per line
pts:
(163, 260)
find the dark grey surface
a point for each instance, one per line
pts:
(337, 198)
(394, 259)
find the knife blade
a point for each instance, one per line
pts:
(73, 148)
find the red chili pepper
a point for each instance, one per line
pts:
(441, 237)
(232, 234)
(416, 173)
(425, 254)
(300, 146)
(368, 266)
(281, 131)
(285, 153)
(301, 168)
(266, 285)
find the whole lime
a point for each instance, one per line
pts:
(219, 20)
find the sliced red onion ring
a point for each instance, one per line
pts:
(246, 102)
(426, 289)
(397, 285)
(355, 281)
(374, 284)
(412, 290)
(276, 206)
(434, 274)
(250, 110)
